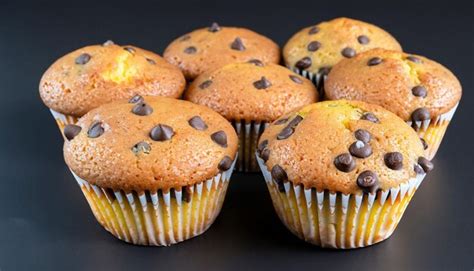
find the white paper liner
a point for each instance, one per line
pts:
(63, 120)
(337, 220)
(248, 133)
(157, 218)
(317, 79)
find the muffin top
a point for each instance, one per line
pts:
(149, 143)
(210, 48)
(411, 86)
(342, 146)
(251, 91)
(94, 75)
(318, 48)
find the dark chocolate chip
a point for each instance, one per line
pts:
(108, 42)
(368, 181)
(263, 83)
(262, 146)
(83, 59)
(136, 99)
(393, 160)
(225, 163)
(360, 149)
(205, 84)
(185, 38)
(290, 128)
(151, 61)
(71, 131)
(414, 59)
(344, 162)
(418, 169)
(256, 62)
(197, 123)
(425, 164)
(161, 132)
(95, 130)
(295, 121)
(279, 174)
(237, 44)
(142, 109)
(425, 145)
(220, 138)
(314, 46)
(190, 50)
(296, 79)
(324, 70)
(303, 63)
(129, 49)
(348, 52)
(370, 117)
(185, 194)
(363, 39)
(214, 27)
(141, 146)
(313, 30)
(362, 135)
(420, 114)
(374, 61)
(265, 154)
(281, 121)
(419, 91)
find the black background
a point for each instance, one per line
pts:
(46, 224)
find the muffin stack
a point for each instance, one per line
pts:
(340, 172)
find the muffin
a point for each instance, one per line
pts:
(313, 50)
(207, 49)
(341, 173)
(154, 170)
(420, 91)
(94, 75)
(251, 95)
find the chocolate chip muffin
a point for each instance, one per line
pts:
(94, 75)
(315, 49)
(154, 170)
(420, 91)
(209, 48)
(251, 95)
(341, 173)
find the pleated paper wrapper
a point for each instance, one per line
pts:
(248, 132)
(63, 120)
(317, 79)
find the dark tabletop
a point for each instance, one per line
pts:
(46, 224)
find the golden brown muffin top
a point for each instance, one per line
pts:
(94, 75)
(411, 86)
(209, 48)
(321, 46)
(252, 91)
(149, 143)
(340, 146)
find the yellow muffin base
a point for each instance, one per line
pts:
(336, 220)
(157, 218)
(248, 132)
(63, 120)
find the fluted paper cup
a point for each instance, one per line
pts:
(317, 79)
(248, 133)
(62, 120)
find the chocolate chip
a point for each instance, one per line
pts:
(393, 160)
(296, 79)
(142, 109)
(265, 154)
(370, 117)
(313, 30)
(95, 130)
(279, 174)
(425, 164)
(368, 181)
(161, 132)
(414, 59)
(418, 169)
(141, 146)
(225, 163)
(190, 50)
(363, 39)
(314, 46)
(344, 162)
(263, 83)
(151, 61)
(185, 194)
(425, 145)
(348, 52)
(220, 138)
(324, 70)
(419, 91)
(197, 123)
(256, 62)
(185, 38)
(71, 131)
(205, 84)
(360, 149)
(237, 44)
(214, 27)
(108, 42)
(262, 146)
(281, 121)
(420, 114)
(295, 121)
(136, 99)
(131, 50)
(362, 135)
(83, 59)
(290, 128)
(374, 61)
(303, 63)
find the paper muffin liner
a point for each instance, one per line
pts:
(336, 220)
(157, 218)
(63, 120)
(433, 130)
(248, 133)
(317, 79)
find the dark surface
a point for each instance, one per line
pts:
(45, 223)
